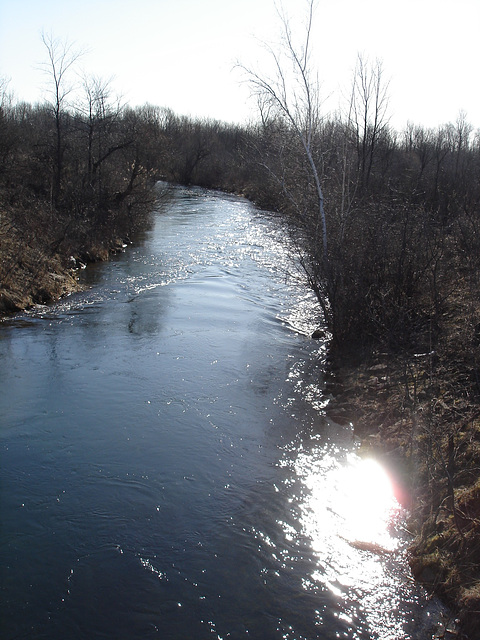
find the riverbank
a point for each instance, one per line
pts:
(420, 413)
(31, 276)
(41, 248)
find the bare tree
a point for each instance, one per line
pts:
(292, 94)
(368, 112)
(101, 113)
(7, 137)
(61, 57)
(6, 96)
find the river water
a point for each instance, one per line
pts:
(167, 470)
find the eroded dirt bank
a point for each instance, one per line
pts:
(30, 276)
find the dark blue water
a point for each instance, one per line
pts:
(166, 467)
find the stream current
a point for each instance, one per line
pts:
(166, 467)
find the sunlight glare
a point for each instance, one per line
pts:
(355, 501)
(366, 501)
(349, 512)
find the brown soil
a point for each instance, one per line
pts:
(32, 279)
(30, 273)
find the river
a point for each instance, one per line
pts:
(167, 470)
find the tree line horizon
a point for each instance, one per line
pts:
(381, 219)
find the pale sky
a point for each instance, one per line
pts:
(182, 53)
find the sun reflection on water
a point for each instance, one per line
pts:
(350, 515)
(358, 496)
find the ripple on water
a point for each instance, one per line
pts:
(163, 432)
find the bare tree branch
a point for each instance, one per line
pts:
(293, 94)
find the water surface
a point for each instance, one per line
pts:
(166, 467)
